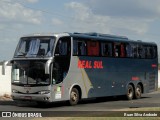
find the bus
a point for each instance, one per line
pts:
(73, 66)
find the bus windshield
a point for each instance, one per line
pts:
(29, 73)
(35, 47)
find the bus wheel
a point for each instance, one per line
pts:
(130, 92)
(74, 96)
(138, 92)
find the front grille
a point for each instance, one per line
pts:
(27, 92)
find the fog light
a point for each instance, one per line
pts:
(44, 92)
(46, 98)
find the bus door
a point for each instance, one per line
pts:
(61, 64)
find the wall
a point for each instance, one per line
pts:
(5, 81)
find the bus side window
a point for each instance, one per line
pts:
(150, 52)
(147, 52)
(123, 50)
(106, 49)
(79, 47)
(75, 47)
(141, 52)
(154, 52)
(116, 50)
(93, 48)
(129, 51)
(119, 50)
(134, 50)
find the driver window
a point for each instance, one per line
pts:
(62, 48)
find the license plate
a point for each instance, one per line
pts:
(28, 97)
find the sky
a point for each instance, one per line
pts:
(135, 19)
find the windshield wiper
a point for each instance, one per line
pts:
(30, 55)
(42, 56)
(21, 54)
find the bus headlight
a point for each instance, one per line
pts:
(14, 91)
(44, 92)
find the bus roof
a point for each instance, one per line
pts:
(95, 36)
(104, 37)
(47, 34)
(99, 36)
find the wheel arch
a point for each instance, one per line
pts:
(141, 84)
(130, 83)
(78, 88)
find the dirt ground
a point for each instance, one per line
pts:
(5, 97)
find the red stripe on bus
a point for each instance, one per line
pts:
(135, 78)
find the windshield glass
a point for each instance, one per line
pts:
(35, 47)
(29, 73)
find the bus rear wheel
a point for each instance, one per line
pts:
(130, 92)
(74, 96)
(138, 92)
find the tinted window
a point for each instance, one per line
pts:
(119, 50)
(63, 47)
(140, 51)
(106, 49)
(79, 47)
(92, 48)
(150, 51)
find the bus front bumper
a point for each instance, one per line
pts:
(32, 97)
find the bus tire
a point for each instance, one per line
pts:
(74, 96)
(130, 92)
(138, 92)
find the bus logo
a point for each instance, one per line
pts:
(90, 64)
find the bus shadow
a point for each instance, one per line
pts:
(64, 103)
(33, 104)
(7, 102)
(106, 99)
(52, 105)
(84, 101)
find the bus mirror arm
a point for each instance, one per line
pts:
(47, 67)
